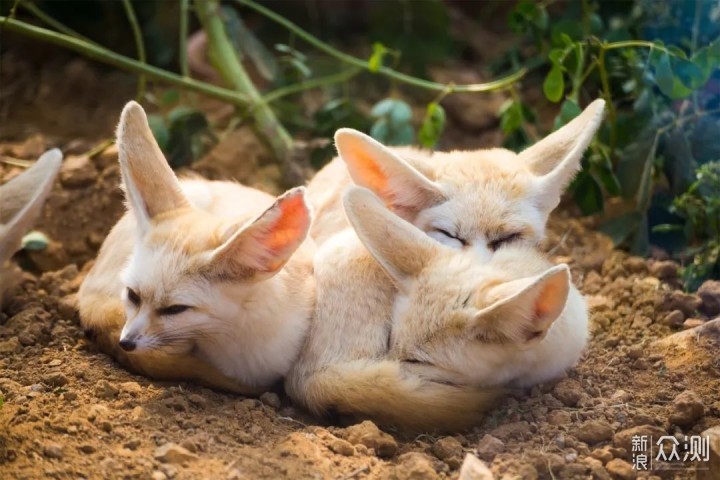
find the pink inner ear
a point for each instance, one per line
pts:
(551, 298)
(361, 160)
(290, 226)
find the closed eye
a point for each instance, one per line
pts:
(507, 239)
(173, 310)
(450, 235)
(133, 296)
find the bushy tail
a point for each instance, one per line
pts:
(390, 394)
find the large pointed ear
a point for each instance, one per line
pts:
(402, 249)
(265, 245)
(373, 166)
(151, 187)
(526, 307)
(556, 158)
(22, 198)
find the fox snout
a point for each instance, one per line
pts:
(133, 332)
(128, 344)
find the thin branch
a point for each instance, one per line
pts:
(139, 44)
(636, 44)
(388, 72)
(310, 84)
(109, 57)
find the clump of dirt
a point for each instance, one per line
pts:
(69, 411)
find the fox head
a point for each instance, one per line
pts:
(21, 200)
(190, 270)
(476, 199)
(454, 309)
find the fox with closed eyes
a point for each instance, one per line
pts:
(415, 334)
(467, 199)
(200, 280)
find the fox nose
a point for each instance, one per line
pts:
(128, 345)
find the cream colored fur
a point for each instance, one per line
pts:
(480, 197)
(235, 256)
(21, 201)
(432, 348)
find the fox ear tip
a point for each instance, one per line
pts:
(53, 156)
(345, 134)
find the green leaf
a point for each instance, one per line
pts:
(380, 130)
(187, 127)
(397, 111)
(383, 108)
(664, 75)
(621, 227)
(169, 97)
(35, 241)
(603, 170)
(432, 126)
(642, 199)
(554, 84)
(690, 74)
(301, 67)
(568, 111)
(404, 135)
(556, 56)
(667, 81)
(511, 118)
(159, 130)
(640, 244)
(377, 56)
(588, 194)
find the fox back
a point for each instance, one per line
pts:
(200, 280)
(479, 199)
(21, 200)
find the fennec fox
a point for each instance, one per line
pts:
(478, 199)
(21, 200)
(200, 280)
(425, 336)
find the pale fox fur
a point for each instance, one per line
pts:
(422, 336)
(21, 201)
(478, 199)
(200, 280)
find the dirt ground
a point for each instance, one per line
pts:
(70, 412)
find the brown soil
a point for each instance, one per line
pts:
(70, 412)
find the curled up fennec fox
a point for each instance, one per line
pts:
(200, 280)
(21, 201)
(441, 372)
(434, 349)
(473, 199)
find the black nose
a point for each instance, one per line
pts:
(128, 345)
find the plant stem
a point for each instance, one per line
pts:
(612, 114)
(310, 84)
(182, 54)
(499, 84)
(101, 54)
(139, 44)
(267, 125)
(636, 44)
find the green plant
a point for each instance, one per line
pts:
(699, 208)
(182, 132)
(659, 122)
